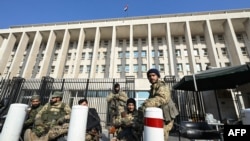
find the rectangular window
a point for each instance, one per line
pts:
(143, 54)
(52, 69)
(120, 54)
(126, 68)
(69, 56)
(135, 68)
(243, 50)
(176, 39)
(198, 67)
(202, 39)
(71, 44)
(66, 69)
(224, 51)
(103, 68)
(119, 68)
(194, 39)
(58, 45)
(90, 55)
(81, 69)
(85, 44)
(196, 52)
(83, 56)
(135, 54)
(161, 67)
(239, 37)
(104, 55)
(183, 39)
(144, 68)
(127, 54)
(204, 52)
(153, 66)
(98, 55)
(88, 68)
(159, 41)
(135, 42)
(143, 41)
(220, 38)
(55, 56)
(38, 69)
(127, 43)
(179, 67)
(106, 43)
(153, 53)
(120, 43)
(178, 52)
(160, 53)
(91, 43)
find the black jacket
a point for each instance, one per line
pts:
(93, 120)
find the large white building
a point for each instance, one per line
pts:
(176, 44)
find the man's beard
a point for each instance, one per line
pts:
(52, 102)
(35, 106)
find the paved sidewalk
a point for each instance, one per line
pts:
(172, 137)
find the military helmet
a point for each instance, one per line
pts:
(57, 94)
(35, 96)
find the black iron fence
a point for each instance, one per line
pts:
(190, 104)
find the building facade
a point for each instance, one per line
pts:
(114, 48)
(177, 44)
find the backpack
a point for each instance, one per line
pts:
(170, 111)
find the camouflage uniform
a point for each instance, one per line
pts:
(159, 96)
(51, 122)
(32, 111)
(128, 126)
(117, 103)
(28, 123)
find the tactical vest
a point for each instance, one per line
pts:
(49, 116)
(169, 110)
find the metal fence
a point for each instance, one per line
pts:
(19, 90)
(190, 104)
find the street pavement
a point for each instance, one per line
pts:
(172, 137)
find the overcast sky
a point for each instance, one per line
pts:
(25, 12)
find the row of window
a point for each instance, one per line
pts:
(102, 68)
(143, 41)
(179, 66)
(205, 53)
(143, 54)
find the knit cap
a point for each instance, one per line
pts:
(154, 71)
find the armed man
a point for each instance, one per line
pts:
(117, 103)
(159, 96)
(32, 112)
(52, 121)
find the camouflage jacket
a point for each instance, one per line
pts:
(31, 114)
(159, 95)
(129, 120)
(128, 126)
(117, 102)
(50, 114)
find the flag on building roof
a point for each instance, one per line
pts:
(125, 8)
